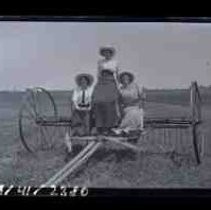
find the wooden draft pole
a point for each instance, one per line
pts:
(73, 164)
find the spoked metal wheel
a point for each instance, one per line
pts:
(38, 106)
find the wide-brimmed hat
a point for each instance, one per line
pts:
(107, 48)
(121, 75)
(89, 78)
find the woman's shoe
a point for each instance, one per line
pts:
(126, 133)
(105, 133)
(116, 132)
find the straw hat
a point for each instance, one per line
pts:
(107, 48)
(131, 76)
(89, 78)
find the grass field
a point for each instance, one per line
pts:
(110, 166)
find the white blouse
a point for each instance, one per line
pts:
(77, 98)
(111, 65)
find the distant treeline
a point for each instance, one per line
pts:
(172, 96)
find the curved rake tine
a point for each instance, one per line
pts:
(167, 140)
(43, 137)
(182, 140)
(46, 137)
(34, 103)
(161, 142)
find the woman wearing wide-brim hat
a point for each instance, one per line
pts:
(129, 75)
(82, 104)
(131, 99)
(107, 49)
(106, 93)
(108, 61)
(88, 77)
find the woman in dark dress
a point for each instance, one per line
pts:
(106, 93)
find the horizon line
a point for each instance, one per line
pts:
(68, 89)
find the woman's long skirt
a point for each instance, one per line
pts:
(80, 121)
(106, 114)
(105, 101)
(133, 118)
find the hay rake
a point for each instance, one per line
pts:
(38, 120)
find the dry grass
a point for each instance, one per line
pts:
(111, 166)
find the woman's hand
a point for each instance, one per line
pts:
(142, 98)
(72, 107)
(141, 103)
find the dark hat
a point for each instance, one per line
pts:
(107, 48)
(89, 78)
(126, 73)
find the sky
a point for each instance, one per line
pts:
(51, 54)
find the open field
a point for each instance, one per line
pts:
(111, 166)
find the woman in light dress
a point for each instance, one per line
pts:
(132, 101)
